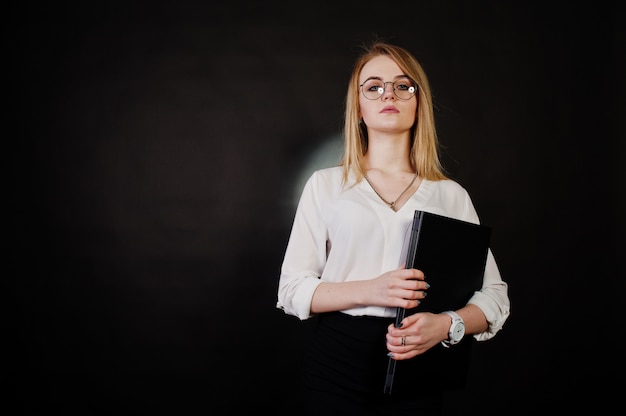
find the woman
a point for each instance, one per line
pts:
(344, 260)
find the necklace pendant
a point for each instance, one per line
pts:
(392, 205)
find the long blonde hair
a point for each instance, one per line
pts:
(424, 154)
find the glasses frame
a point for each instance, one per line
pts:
(393, 85)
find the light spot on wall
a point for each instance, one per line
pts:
(328, 154)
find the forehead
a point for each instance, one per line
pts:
(381, 66)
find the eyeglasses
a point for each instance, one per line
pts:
(403, 88)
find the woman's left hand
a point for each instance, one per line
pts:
(419, 333)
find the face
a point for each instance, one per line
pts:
(387, 113)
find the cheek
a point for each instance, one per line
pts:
(414, 111)
(365, 109)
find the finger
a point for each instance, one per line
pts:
(409, 274)
(416, 274)
(396, 340)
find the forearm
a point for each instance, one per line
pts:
(330, 297)
(474, 319)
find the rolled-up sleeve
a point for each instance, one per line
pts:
(492, 299)
(305, 255)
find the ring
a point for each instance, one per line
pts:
(403, 340)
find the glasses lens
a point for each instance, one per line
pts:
(404, 88)
(373, 88)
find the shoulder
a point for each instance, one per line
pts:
(327, 176)
(325, 181)
(448, 186)
(332, 172)
(450, 198)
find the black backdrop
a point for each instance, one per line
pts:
(154, 158)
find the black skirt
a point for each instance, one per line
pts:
(345, 367)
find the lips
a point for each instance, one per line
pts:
(389, 109)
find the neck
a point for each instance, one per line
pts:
(389, 153)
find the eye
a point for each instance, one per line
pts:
(405, 85)
(373, 86)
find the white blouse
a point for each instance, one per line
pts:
(342, 233)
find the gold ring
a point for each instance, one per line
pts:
(403, 340)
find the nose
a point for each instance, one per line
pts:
(388, 92)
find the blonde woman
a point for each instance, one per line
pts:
(344, 260)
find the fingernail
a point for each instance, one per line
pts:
(390, 355)
(427, 285)
(399, 325)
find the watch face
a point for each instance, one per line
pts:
(458, 331)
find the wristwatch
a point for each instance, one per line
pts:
(457, 330)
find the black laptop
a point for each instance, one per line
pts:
(452, 254)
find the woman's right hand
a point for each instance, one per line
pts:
(402, 288)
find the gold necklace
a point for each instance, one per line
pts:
(392, 205)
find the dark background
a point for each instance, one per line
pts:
(155, 153)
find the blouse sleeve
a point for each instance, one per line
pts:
(305, 255)
(493, 297)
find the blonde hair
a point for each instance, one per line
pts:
(424, 154)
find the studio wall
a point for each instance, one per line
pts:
(156, 157)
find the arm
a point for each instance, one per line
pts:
(473, 317)
(397, 288)
(492, 300)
